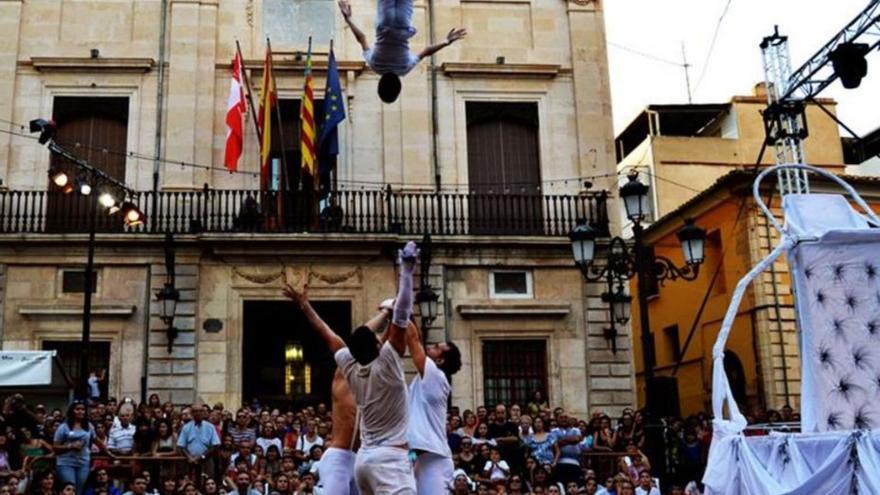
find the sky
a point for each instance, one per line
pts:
(658, 28)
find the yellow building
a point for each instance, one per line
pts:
(699, 161)
(487, 150)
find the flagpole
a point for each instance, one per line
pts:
(283, 171)
(250, 98)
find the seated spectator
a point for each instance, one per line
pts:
(98, 481)
(168, 487)
(634, 463)
(469, 425)
(267, 438)
(625, 487)
(496, 469)
(606, 438)
(482, 435)
(516, 485)
(138, 486)
(121, 436)
(282, 485)
(314, 458)
(468, 460)
(189, 488)
(307, 484)
(33, 451)
(555, 489)
(461, 483)
(67, 488)
(646, 485)
(210, 487)
(310, 438)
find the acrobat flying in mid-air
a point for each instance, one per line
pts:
(390, 55)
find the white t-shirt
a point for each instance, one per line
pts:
(499, 471)
(428, 396)
(380, 392)
(306, 445)
(94, 390)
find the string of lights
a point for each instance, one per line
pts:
(343, 183)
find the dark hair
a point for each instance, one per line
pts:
(451, 360)
(364, 345)
(69, 417)
(389, 87)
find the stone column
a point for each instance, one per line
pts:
(10, 20)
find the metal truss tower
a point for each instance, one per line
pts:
(785, 123)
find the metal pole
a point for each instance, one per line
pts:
(87, 304)
(653, 427)
(160, 104)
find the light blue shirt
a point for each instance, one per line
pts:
(74, 458)
(196, 440)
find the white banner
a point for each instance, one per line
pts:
(21, 368)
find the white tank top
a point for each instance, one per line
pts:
(428, 397)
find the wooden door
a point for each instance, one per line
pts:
(504, 170)
(95, 129)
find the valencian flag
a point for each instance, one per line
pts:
(268, 100)
(307, 126)
(334, 113)
(235, 110)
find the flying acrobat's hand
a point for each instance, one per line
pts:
(345, 8)
(300, 298)
(407, 257)
(455, 35)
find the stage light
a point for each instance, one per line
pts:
(131, 214)
(83, 187)
(58, 177)
(46, 128)
(106, 199)
(849, 63)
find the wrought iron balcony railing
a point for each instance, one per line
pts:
(347, 211)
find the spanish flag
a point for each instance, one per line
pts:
(268, 100)
(307, 126)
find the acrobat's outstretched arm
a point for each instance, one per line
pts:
(345, 8)
(453, 36)
(403, 304)
(334, 342)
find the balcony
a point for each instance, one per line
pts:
(373, 211)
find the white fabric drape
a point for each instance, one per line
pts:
(832, 251)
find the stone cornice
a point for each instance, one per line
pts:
(471, 69)
(88, 64)
(123, 311)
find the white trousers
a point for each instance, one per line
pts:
(336, 471)
(384, 471)
(433, 473)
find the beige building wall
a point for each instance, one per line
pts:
(551, 52)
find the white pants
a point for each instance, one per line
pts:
(433, 473)
(384, 471)
(336, 471)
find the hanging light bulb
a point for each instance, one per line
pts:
(84, 187)
(131, 214)
(58, 177)
(106, 199)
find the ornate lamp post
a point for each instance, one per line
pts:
(168, 296)
(625, 262)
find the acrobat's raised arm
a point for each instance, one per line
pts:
(403, 304)
(453, 36)
(334, 342)
(345, 8)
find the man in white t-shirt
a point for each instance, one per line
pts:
(390, 55)
(646, 485)
(336, 468)
(428, 398)
(375, 377)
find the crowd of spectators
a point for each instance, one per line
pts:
(111, 448)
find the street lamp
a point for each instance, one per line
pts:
(168, 296)
(428, 304)
(625, 261)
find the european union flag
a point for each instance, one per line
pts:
(334, 113)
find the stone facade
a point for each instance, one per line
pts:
(550, 52)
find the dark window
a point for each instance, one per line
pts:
(74, 281)
(510, 284)
(673, 344)
(96, 130)
(68, 354)
(513, 370)
(504, 169)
